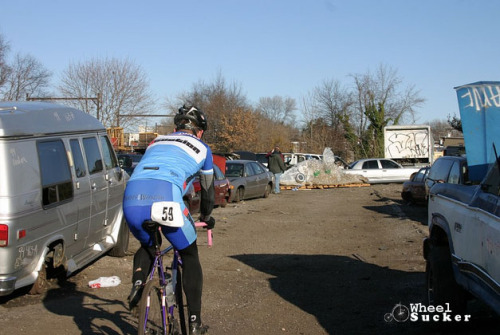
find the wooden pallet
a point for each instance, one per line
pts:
(303, 187)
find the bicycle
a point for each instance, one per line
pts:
(162, 299)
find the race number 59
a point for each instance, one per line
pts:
(167, 213)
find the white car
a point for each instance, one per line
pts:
(380, 170)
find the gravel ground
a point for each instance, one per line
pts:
(330, 261)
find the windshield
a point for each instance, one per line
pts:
(234, 170)
(352, 164)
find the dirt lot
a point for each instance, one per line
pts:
(331, 261)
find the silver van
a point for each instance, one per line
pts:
(61, 192)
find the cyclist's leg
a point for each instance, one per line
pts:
(143, 260)
(192, 281)
(184, 240)
(137, 201)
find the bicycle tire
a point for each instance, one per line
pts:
(153, 323)
(181, 306)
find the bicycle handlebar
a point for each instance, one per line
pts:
(209, 231)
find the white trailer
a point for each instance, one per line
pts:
(409, 144)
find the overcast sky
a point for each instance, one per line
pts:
(269, 47)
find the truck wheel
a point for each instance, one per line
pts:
(41, 283)
(406, 196)
(121, 247)
(441, 285)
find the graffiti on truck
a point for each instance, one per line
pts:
(407, 144)
(25, 253)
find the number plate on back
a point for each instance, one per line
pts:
(167, 213)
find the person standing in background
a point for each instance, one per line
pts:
(277, 166)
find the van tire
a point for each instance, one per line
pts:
(41, 283)
(121, 247)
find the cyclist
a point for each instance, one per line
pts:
(164, 173)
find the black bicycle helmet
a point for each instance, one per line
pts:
(195, 118)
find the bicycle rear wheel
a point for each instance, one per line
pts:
(151, 311)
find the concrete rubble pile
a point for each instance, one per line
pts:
(314, 172)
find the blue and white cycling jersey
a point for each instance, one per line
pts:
(164, 174)
(175, 158)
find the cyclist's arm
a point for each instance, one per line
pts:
(207, 195)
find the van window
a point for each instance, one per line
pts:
(107, 151)
(78, 161)
(55, 172)
(94, 160)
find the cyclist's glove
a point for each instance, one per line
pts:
(210, 223)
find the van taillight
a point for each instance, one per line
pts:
(4, 235)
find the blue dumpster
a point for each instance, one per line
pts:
(479, 105)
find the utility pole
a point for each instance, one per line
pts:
(96, 100)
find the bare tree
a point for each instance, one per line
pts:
(314, 132)
(239, 131)
(278, 109)
(223, 103)
(232, 123)
(122, 86)
(325, 111)
(332, 101)
(442, 128)
(27, 77)
(309, 114)
(4, 68)
(384, 89)
(381, 101)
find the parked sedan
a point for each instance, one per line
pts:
(192, 198)
(249, 179)
(380, 170)
(221, 185)
(414, 188)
